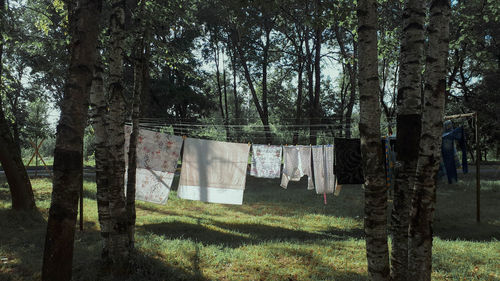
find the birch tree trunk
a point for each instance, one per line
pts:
(423, 198)
(408, 131)
(99, 121)
(118, 247)
(68, 154)
(19, 183)
(377, 251)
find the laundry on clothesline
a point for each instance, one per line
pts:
(348, 165)
(266, 161)
(296, 164)
(157, 156)
(324, 177)
(213, 171)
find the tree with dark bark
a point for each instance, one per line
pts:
(68, 154)
(10, 154)
(140, 68)
(377, 251)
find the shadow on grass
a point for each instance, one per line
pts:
(234, 235)
(319, 269)
(22, 238)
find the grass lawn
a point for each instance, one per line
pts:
(275, 235)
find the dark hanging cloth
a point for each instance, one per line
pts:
(448, 152)
(348, 167)
(390, 160)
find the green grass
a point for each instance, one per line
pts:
(49, 160)
(275, 235)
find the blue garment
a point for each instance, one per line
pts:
(448, 153)
(390, 159)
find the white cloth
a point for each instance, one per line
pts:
(297, 163)
(266, 161)
(324, 178)
(157, 156)
(213, 171)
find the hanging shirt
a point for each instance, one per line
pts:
(448, 153)
(157, 156)
(266, 161)
(324, 178)
(297, 163)
(213, 171)
(348, 165)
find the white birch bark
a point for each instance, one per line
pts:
(423, 198)
(377, 251)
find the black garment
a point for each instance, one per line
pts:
(348, 166)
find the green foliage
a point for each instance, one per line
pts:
(37, 125)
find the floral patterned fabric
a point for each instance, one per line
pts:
(266, 161)
(157, 156)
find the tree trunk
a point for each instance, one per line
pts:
(217, 76)
(316, 117)
(118, 247)
(300, 86)
(353, 74)
(352, 71)
(310, 84)
(265, 64)
(15, 172)
(10, 155)
(423, 198)
(235, 89)
(371, 150)
(139, 65)
(68, 154)
(263, 117)
(224, 83)
(408, 131)
(99, 120)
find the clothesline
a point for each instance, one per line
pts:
(245, 126)
(219, 174)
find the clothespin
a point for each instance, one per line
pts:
(324, 197)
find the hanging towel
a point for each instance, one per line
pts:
(297, 163)
(213, 171)
(266, 161)
(324, 178)
(157, 156)
(348, 166)
(448, 152)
